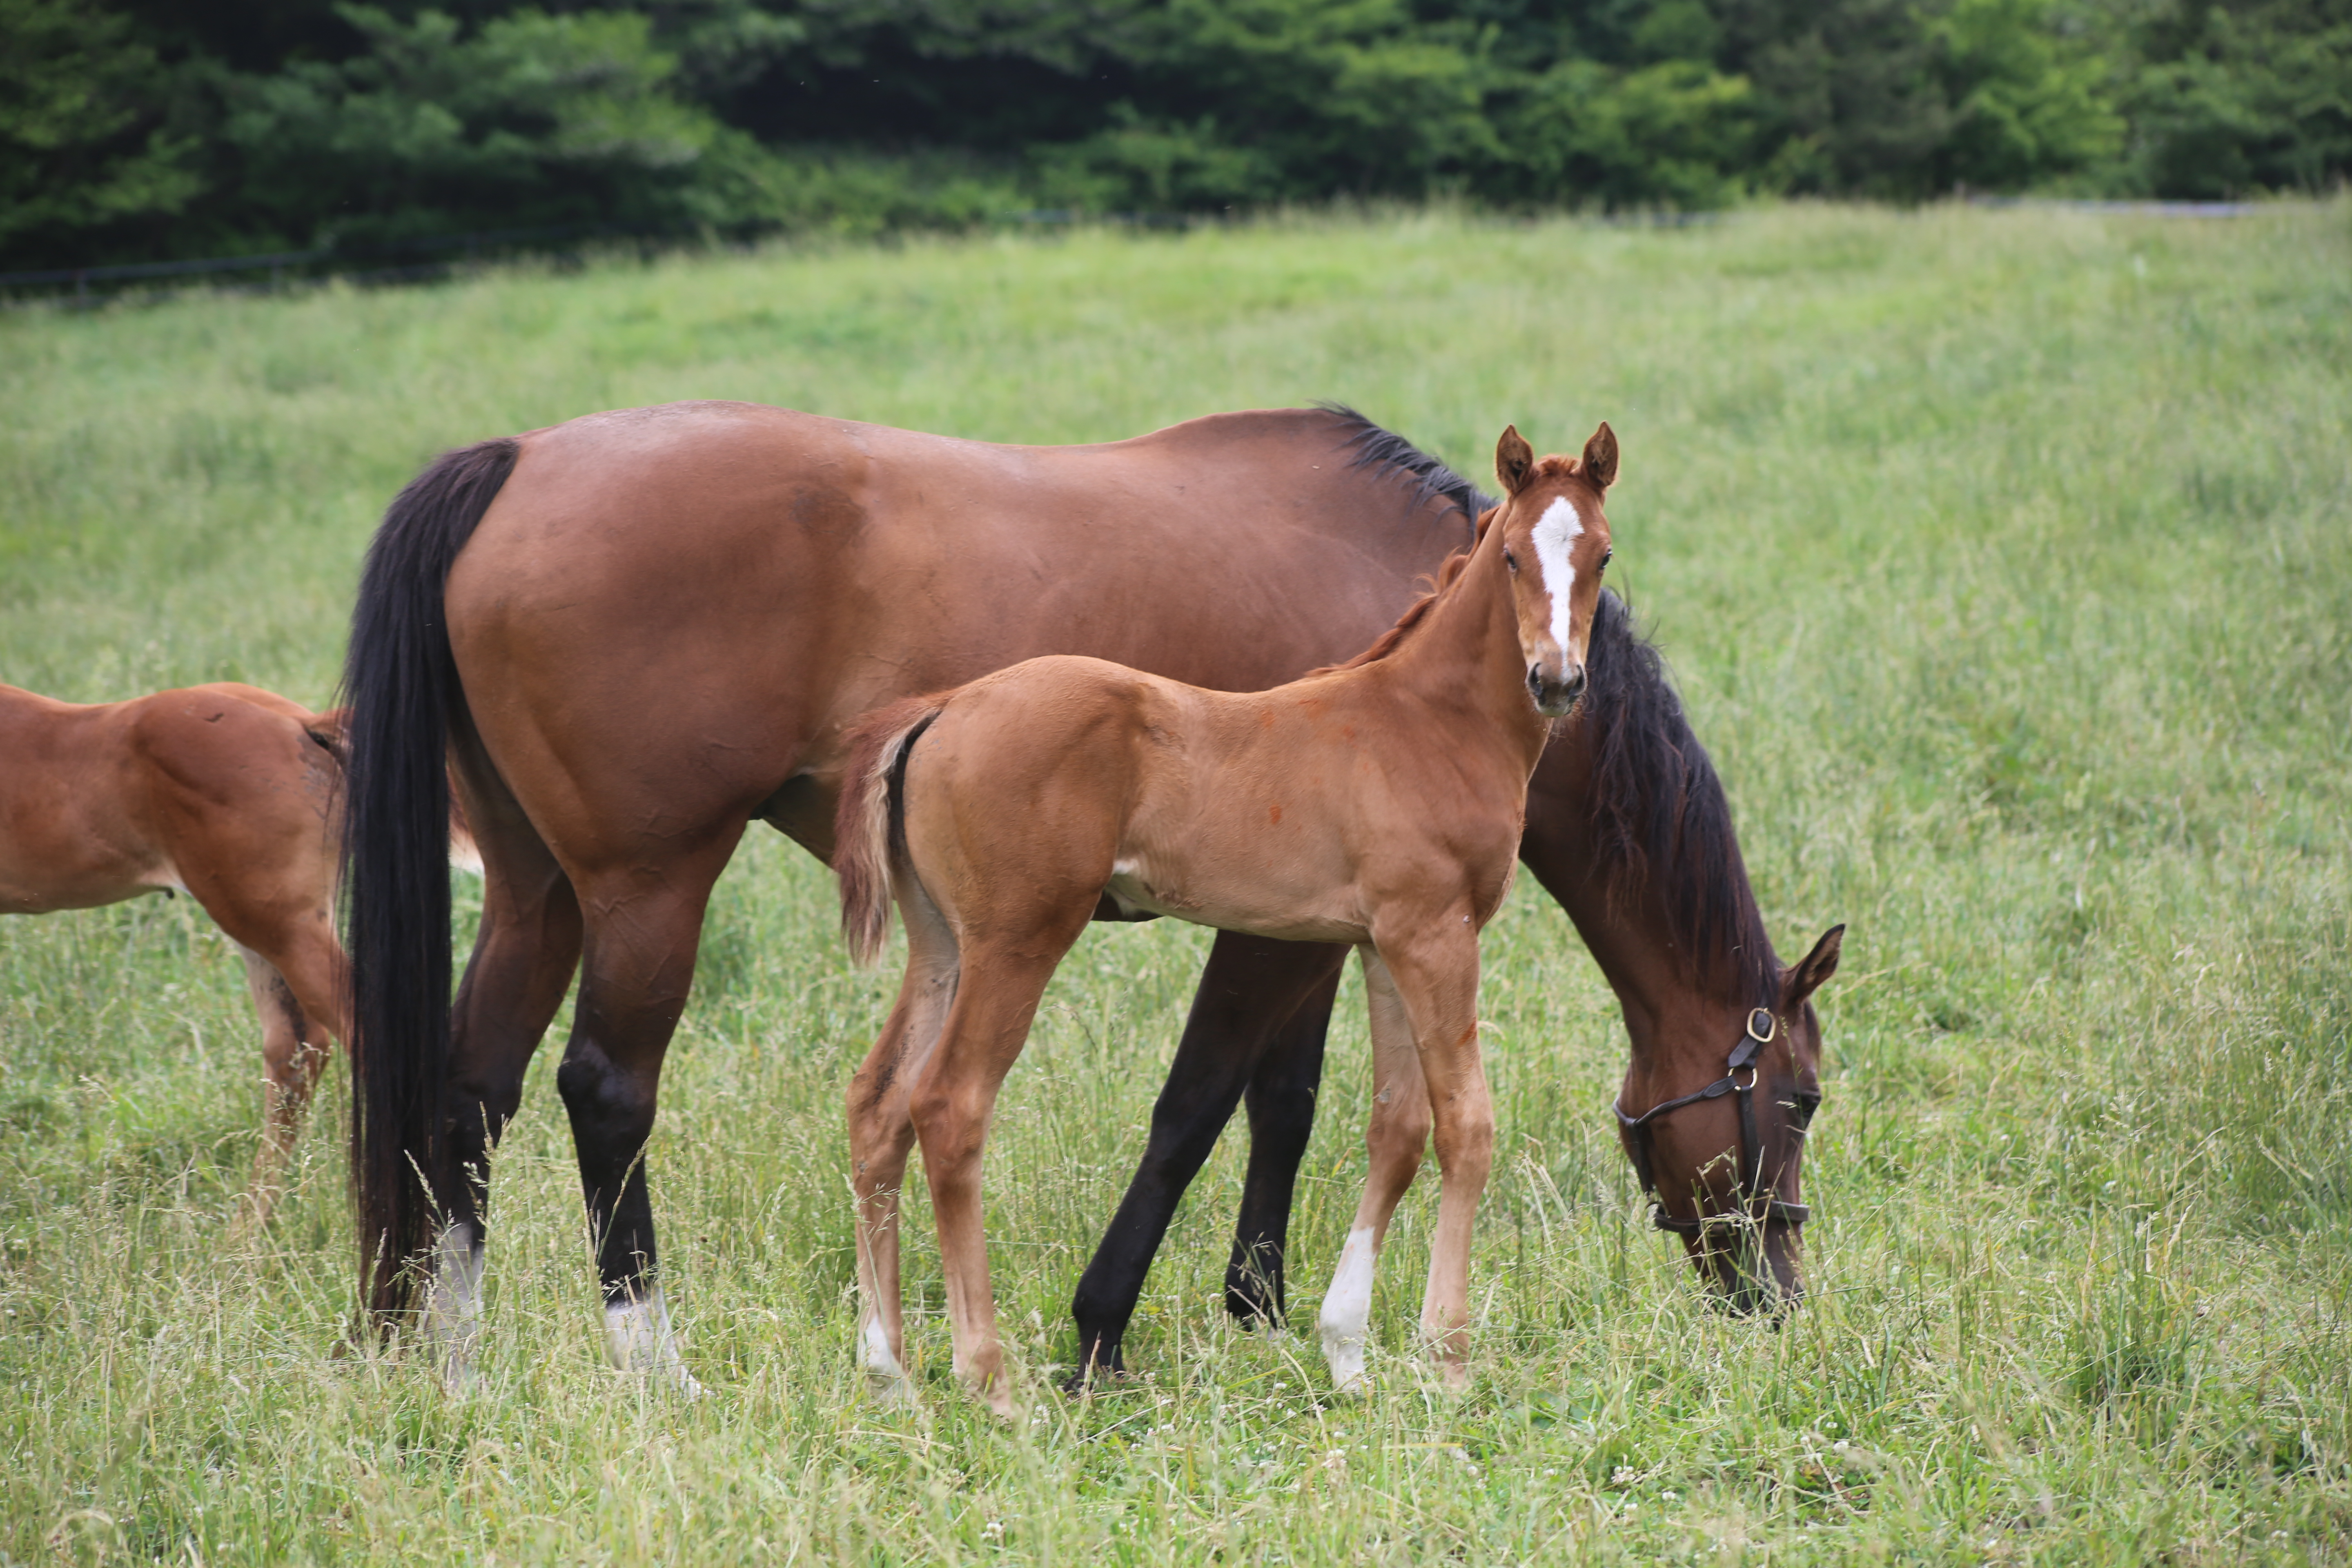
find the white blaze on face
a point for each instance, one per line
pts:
(1347, 1314)
(1555, 533)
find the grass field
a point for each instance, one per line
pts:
(2005, 561)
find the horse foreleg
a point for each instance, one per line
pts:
(1393, 1139)
(1281, 1103)
(1250, 987)
(881, 1133)
(1436, 978)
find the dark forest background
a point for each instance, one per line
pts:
(133, 129)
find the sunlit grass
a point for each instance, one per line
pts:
(2005, 563)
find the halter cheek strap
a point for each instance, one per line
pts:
(1756, 1205)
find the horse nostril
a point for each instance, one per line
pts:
(1572, 686)
(1535, 682)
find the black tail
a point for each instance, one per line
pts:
(400, 684)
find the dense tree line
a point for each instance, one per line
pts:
(151, 128)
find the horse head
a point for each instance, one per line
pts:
(1555, 545)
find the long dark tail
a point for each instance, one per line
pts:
(400, 683)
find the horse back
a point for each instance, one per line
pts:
(709, 594)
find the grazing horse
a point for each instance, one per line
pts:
(1376, 804)
(631, 635)
(224, 793)
(1628, 827)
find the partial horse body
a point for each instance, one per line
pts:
(225, 793)
(1378, 805)
(631, 635)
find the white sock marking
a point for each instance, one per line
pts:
(1346, 1314)
(637, 1338)
(875, 1346)
(453, 1302)
(1560, 527)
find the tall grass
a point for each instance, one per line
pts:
(2004, 561)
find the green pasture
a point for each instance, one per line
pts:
(2005, 561)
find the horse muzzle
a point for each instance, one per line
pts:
(1554, 696)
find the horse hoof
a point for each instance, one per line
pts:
(889, 1391)
(1097, 1380)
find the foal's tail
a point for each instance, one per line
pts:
(867, 826)
(401, 684)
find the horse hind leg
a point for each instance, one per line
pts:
(951, 1104)
(293, 1050)
(882, 1132)
(525, 951)
(640, 939)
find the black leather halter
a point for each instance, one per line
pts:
(1756, 1207)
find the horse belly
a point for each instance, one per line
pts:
(1270, 906)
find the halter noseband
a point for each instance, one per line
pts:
(1754, 1208)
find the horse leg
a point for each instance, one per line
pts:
(525, 951)
(1393, 1139)
(293, 1050)
(643, 926)
(950, 1104)
(1250, 985)
(881, 1132)
(1436, 976)
(1281, 1119)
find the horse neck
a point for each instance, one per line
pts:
(1669, 994)
(1465, 657)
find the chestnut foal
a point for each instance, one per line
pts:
(1378, 803)
(225, 793)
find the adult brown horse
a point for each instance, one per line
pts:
(633, 633)
(225, 793)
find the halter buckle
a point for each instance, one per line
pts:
(1771, 1025)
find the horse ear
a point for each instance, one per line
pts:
(1601, 457)
(1485, 520)
(1513, 458)
(1812, 970)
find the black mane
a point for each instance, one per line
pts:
(1659, 810)
(1385, 450)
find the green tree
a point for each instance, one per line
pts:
(2234, 99)
(2031, 100)
(85, 149)
(531, 120)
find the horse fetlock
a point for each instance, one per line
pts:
(1345, 1319)
(1345, 1356)
(453, 1304)
(639, 1339)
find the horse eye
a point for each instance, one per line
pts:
(1607, 556)
(1510, 561)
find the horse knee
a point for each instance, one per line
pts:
(1398, 1135)
(1465, 1142)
